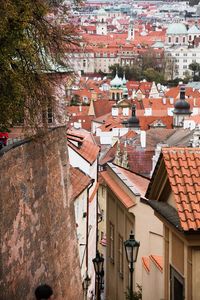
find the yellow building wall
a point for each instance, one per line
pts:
(177, 254)
(196, 274)
(123, 223)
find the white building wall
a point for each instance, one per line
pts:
(83, 61)
(182, 57)
(77, 161)
(103, 62)
(80, 207)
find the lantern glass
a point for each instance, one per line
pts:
(131, 247)
(98, 263)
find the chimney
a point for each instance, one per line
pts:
(115, 111)
(143, 139)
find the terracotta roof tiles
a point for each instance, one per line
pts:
(158, 261)
(83, 147)
(146, 263)
(79, 181)
(139, 182)
(183, 168)
(117, 190)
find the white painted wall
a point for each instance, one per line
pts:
(80, 206)
(182, 57)
(77, 161)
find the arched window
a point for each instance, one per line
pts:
(184, 39)
(177, 40)
(169, 39)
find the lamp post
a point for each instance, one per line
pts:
(86, 283)
(131, 248)
(98, 267)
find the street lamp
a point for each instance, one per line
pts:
(131, 248)
(98, 267)
(86, 283)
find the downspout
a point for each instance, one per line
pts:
(87, 221)
(97, 206)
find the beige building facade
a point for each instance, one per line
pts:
(176, 205)
(119, 196)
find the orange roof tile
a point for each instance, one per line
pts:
(84, 148)
(84, 121)
(189, 92)
(79, 181)
(146, 263)
(139, 182)
(77, 110)
(158, 261)
(183, 169)
(117, 190)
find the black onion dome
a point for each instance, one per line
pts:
(181, 106)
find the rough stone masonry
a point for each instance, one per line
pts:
(37, 223)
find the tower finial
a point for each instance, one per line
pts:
(133, 110)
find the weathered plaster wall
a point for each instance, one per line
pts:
(37, 223)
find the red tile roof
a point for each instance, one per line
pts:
(83, 147)
(140, 161)
(102, 107)
(84, 121)
(139, 182)
(183, 169)
(79, 181)
(77, 110)
(174, 92)
(117, 190)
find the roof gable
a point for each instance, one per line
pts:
(181, 166)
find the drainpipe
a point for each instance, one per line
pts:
(97, 206)
(87, 221)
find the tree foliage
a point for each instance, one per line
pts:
(137, 72)
(195, 67)
(134, 295)
(152, 75)
(30, 44)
